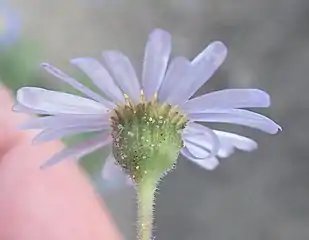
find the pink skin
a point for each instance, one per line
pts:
(58, 203)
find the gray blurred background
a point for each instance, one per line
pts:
(262, 195)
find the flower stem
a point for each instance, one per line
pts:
(146, 194)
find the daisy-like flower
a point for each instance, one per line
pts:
(148, 122)
(160, 101)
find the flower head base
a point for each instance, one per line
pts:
(147, 137)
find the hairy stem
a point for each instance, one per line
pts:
(146, 194)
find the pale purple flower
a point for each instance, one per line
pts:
(172, 82)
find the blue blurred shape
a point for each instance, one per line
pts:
(9, 25)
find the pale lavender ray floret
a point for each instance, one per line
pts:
(112, 171)
(156, 58)
(173, 83)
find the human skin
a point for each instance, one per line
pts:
(57, 203)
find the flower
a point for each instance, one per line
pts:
(9, 25)
(140, 119)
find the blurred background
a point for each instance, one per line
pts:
(258, 196)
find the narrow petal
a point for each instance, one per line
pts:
(201, 141)
(77, 85)
(100, 77)
(123, 73)
(80, 150)
(51, 134)
(237, 116)
(18, 107)
(178, 72)
(214, 54)
(225, 148)
(197, 149)
(228, 98)
(204, 66)
(156, 58)
(229, 141)
(67, 120)
(53, 102)
(207, 163)
(113, 174)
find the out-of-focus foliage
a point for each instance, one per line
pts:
(18, 55)
(18, 65)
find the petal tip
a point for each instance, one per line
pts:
(251, 148)
(264, 96)
(275, 130)
(19, 108)
(111, 52)
(44, 64)
(44, 165)
(212, 164)
(76, 60)
(254, 146)
(20, 95)
(15, 108)
(79, 60)
(219, 47)
(215, 53)
(160, 33)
